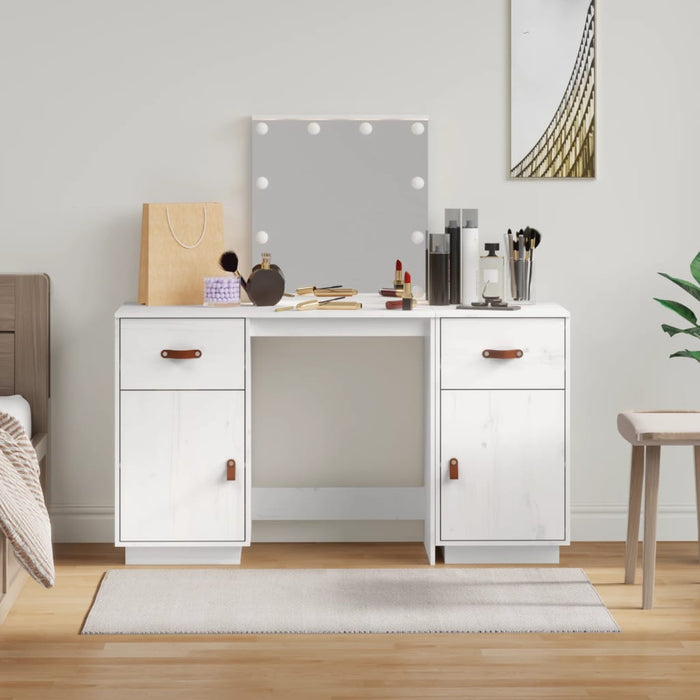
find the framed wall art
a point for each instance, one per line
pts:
(553, 89)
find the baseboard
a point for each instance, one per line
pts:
(597, 523)
(82, 523)
(590, 523)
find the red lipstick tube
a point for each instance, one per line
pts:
(398, 277)
(407, 296)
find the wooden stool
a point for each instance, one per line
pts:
(646, 431)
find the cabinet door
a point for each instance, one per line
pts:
(174, 446)
(511, 461)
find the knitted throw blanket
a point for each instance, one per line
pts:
(23, 516)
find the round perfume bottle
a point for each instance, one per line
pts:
(265, 285)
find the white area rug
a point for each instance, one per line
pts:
(242, 601)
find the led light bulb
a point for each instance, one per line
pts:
(417, 237)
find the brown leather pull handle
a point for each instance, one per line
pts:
(454, 469)
(231, 470)
(502, 354)
(180, 354)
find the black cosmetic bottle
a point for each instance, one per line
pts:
(265, 285)
(439, 269)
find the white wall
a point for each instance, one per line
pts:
(106, 105)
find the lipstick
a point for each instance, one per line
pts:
(391, 292)
(398, 304)
(398, 279)
(407, 296)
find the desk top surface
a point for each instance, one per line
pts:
(372, 307)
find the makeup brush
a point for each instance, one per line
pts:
(520, 266)
(315, 304)
(535, 238)
(229, 262)
(306, 305)
(335, 292)
(511, 262)
(312, 288)
(534, 235)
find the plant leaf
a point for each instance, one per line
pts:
(693, 354)
(679, 308)
(671, 330)
(689, 287)
(695, 268)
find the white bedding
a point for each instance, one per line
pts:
(24, 519)
(18, 407)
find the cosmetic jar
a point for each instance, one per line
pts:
(222, 290)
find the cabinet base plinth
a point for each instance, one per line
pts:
(182, 555)
(538, 554)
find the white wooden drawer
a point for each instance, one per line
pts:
(541, 366)
(219, 363)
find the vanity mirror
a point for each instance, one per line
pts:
(337, 200)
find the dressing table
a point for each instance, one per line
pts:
(495, 414)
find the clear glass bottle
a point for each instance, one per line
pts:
(491, 273)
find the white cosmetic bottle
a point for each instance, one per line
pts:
(470, 256)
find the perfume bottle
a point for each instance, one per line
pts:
(469, 252)
(452, 226)
(491, 273)
(265, 285)
(439, 269)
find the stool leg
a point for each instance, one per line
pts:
(635, 507)
(651, 497)
(696, 449)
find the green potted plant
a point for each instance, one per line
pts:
(683, 310)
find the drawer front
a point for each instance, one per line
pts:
(540, 366)
(219, 363)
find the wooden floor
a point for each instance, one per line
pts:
(656, 656)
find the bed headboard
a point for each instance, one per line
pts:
(24, 343)
(24, 369)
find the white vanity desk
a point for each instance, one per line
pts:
(496, 465)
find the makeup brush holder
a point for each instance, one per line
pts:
(521, 282)
(219, 291)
